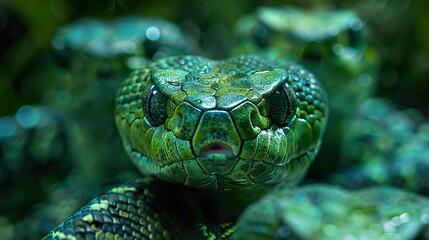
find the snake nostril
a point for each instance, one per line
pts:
(255, 120)
(248, 120)
(184, 121)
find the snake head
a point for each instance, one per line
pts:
(244, 121)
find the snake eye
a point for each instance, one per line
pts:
(282, 105)
(154, 104)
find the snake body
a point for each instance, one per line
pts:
(239, 123)
(222, 142)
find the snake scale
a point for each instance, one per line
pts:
(222, 144)
(241, 123)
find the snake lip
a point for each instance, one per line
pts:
(217, 148)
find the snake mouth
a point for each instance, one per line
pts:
(217, 148)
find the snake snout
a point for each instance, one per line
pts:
(216, 133)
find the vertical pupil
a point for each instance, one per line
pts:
(157, 107)
(278, 107)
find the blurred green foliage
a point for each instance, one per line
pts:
(398, 27)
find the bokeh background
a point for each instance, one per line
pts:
(39, 168)
(399, 28)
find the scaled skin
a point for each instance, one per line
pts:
(149, 208)
(229, 124)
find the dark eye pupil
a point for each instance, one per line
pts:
(281, 106)
(278, 107)
(154, 105)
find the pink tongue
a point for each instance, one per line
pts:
(217, 148)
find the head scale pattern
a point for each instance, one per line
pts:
(245, 121)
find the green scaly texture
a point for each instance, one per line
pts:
(240, 123)
(228, 124)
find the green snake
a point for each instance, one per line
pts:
(243, 123)
(221, 125)
(223, 144)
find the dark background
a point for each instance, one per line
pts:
(399, 29)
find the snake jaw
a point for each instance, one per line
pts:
(216, 127)
(217, 148)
